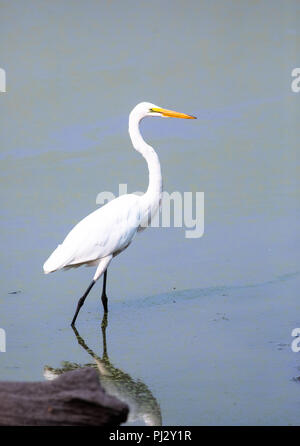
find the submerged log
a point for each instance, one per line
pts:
(74, 399)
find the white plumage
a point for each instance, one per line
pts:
(106, 232)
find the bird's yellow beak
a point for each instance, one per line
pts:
(171, 113)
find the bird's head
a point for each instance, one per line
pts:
(145, 109)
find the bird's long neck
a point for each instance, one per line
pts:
(154, 191)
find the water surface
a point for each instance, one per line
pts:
(201, 326)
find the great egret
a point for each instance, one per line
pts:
(109, 230)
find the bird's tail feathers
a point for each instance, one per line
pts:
(57, 260)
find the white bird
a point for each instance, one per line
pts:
(109, 230)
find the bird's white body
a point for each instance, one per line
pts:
(101, 235)
(106, 232)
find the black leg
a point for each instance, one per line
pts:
(104, 297)
(81, 301)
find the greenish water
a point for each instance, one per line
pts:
(212, 343)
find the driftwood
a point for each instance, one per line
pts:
(75, 398)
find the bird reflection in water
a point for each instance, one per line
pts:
(142, 404)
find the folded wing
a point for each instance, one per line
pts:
(106, 231)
